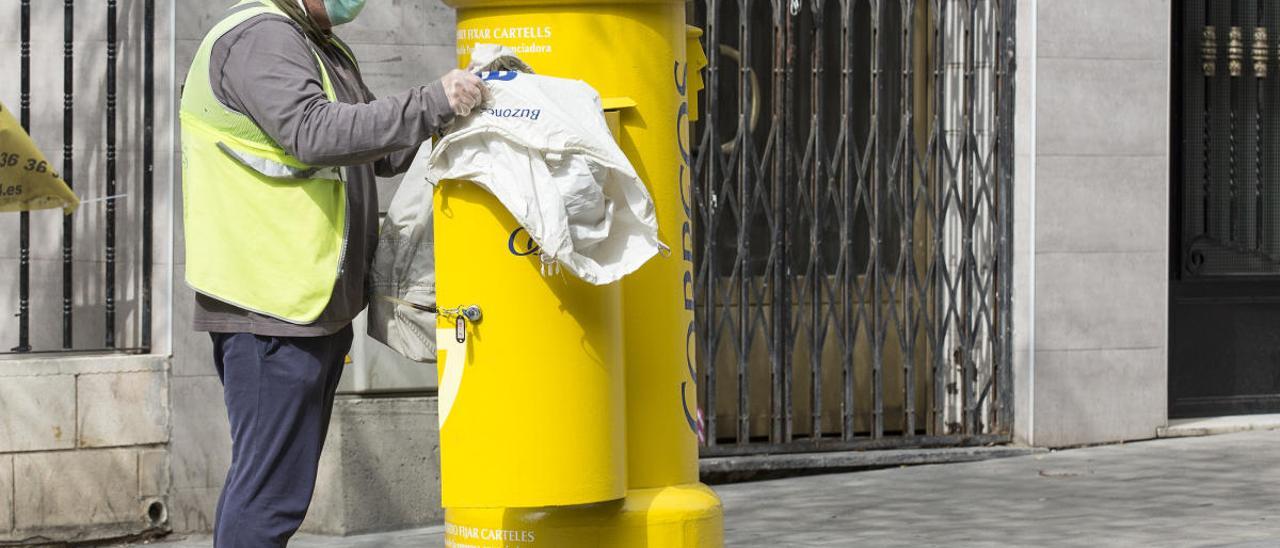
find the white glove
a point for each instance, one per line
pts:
(464, 90)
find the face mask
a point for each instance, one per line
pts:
(342, 12)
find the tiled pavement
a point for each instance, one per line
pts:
(1205, 491)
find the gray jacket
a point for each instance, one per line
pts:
(265, 68)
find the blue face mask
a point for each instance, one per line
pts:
(342, 12)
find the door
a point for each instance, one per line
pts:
(1224, 353)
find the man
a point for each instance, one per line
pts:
(281, 144)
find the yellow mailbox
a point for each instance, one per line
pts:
(531, 402)
(638, 364)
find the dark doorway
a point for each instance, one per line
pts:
(1224, 345)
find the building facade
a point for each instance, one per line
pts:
(917, 224)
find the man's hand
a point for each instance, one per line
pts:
(464, 90)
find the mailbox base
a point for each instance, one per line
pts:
(669, 517)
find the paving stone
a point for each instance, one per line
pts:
(1208, 491)
(1141, 494)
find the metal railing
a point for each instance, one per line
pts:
(852, 187)
(136, 186)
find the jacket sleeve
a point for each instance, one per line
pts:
(398, 162)
(395, 163)
(270, 74)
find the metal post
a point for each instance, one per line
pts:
(1209, 66)
(817, 190)
(110, 244)
(708, 183)
(939, 190)
(970, 192)
(1235, 68)
(1005, 150)
(877, 197)
(743, 193)
(1261, 58)
(907, 247)
(849, 206)
(24, 222)
(784, 56)
(148, 162)
(968, 185)
(68, 165)
(779, 414)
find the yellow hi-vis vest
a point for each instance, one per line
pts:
(264, 231)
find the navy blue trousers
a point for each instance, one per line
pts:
(279, 393)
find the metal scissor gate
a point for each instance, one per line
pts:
(852, 187)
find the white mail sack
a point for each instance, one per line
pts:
(542, 147)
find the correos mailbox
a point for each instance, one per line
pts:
(569, 412)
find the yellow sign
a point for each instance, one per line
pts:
(27, 181)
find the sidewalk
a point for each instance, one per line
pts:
(1205, 491)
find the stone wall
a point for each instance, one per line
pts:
(1092, 210)
(381, 467)
(83, 447)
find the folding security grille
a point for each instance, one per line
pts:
(853, 178)
(1230, 199)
